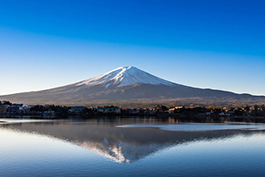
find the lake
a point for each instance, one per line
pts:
(130, 147)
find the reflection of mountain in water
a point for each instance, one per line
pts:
(122, 152)
(123, 145)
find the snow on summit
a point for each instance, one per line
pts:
(124, 76)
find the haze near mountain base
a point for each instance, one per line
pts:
(130, 86)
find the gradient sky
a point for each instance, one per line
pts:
(216, 44)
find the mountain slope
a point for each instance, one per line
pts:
(124, 76)
(130, 85)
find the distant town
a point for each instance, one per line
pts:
(257, 112)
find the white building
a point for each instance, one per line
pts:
(110, 109)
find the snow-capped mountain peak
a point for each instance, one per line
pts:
(124, 76)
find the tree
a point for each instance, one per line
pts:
(256, 110)
(161, 107)
(263, 110)
(7, 103)
(247, 108)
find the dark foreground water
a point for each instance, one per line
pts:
(130, 147)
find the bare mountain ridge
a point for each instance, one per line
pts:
(128, 84)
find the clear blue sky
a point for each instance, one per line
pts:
(217, 44)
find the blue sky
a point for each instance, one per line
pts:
(202, 43)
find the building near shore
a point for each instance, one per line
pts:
(3, 108)
(15, 108)
(109, 109)
(76, 109)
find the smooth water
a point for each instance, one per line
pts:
(130, 147)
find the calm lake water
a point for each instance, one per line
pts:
(130, 147)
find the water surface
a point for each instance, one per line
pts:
(130, 147)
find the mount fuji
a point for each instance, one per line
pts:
(134, 87)
(125, 76)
